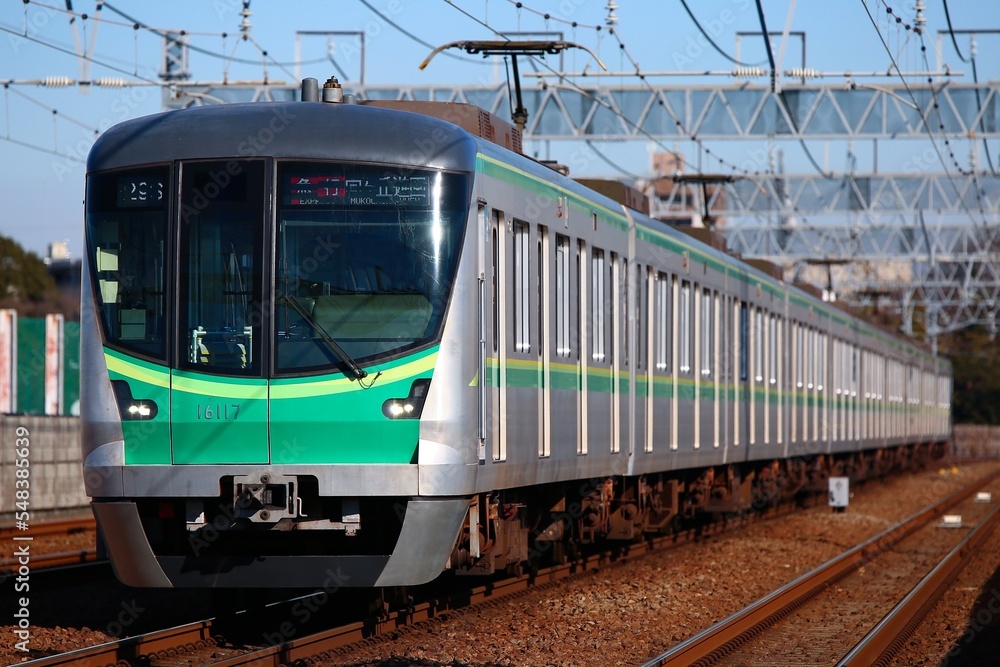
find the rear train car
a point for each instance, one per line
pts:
(342, 345)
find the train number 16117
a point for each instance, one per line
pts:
(218, 411)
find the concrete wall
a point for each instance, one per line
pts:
(972, 441)
(55, 470)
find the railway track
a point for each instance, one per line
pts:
(70, 526)
(215, 642)
(40, 559)
(208, 642)
(773, 629)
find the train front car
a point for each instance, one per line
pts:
(265, 351)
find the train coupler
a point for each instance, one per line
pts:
(266, 498)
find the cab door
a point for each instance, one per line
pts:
(219, 394)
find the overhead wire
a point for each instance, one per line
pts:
(951, 31)
(711, 41)
(579, 89)
(608, 161)
(913, 98)
(163, 33)
(670, 112)
(552, 17)
(937, 108)
(975, 79)
(86, 57)
(414, 37)
(56, 115)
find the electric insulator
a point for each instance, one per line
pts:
(748, 72)
(110, 82)
(802, 73)
(57, 82)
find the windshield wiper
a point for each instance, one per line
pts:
(356, 370)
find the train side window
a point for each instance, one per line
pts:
(773, 352)
(542, 287)
(581, 295)
(522, 281)
(597, 305)
(562, 296)
(821, 375)
(707, 333)
(798, 356)
(744, 343)
(642, 315)
(685, 326)
(495, 273)
(623, 306)
(664, 323)
(758, 360)
(810, 358)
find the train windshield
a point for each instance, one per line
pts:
(127, 237)
(365, 258)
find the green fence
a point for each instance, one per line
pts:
(30, 371)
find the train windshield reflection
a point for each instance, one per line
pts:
(365, 259)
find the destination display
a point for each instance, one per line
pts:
(342, 190)
(140, 191)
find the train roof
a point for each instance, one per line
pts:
(306, 130)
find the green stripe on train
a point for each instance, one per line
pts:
(222, 420)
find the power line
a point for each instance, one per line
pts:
(604, 158)
(414, 37)
(712, 41)
(549, 17)
(951, 31)
(579, 89)
(136, 24)
(923, 119)
(677, 121)
(88, 58)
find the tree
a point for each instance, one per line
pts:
(976, 366)
(24, 282)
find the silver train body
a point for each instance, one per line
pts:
(591, 364)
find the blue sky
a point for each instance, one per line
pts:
(42, 153)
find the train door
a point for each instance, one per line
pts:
(219, 390)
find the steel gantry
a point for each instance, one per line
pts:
(565, 111)
(925, 240)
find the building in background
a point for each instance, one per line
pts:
(64, 268)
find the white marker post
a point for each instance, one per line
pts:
(840, 493)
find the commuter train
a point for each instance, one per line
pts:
(349, 345)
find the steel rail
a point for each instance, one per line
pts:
(717, 640)
(59, 527)
(134, 650)
(324, 645)
(186, 638)
(45, 561)
(882, 643)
